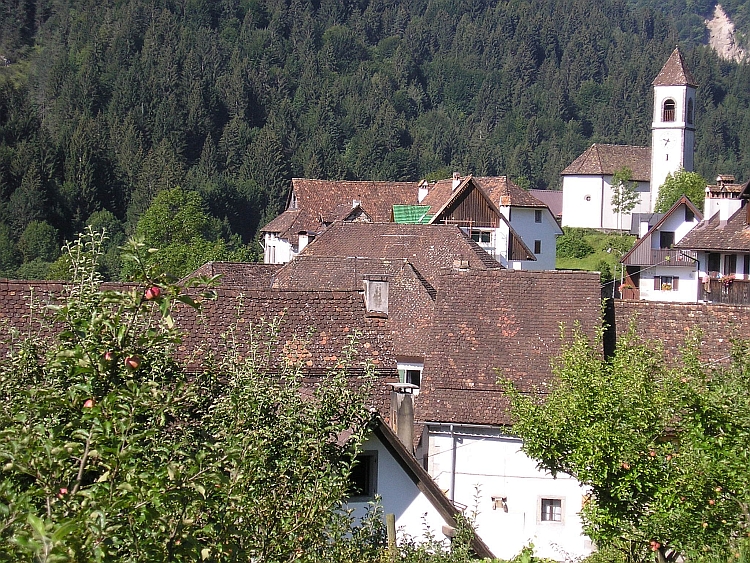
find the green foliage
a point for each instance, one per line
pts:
(624, 193)
(572, 244)
(685, 183)
(39, 242)
(111, 452)
(662, 445)
(185, 234)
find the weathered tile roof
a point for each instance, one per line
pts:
(431, 248)
(239, 274)
(714, 235)
(315, 327)
(674, 72)
(667, 325)
(601, 160)
(503, 192)
(315, 203)
(498, 324)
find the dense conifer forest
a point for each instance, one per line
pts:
(105, 104)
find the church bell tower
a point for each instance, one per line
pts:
(673, 125)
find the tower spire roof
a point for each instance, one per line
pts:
(674, 73)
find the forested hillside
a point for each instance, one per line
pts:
(104, 104)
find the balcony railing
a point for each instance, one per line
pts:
(662, 257)
(734, 292)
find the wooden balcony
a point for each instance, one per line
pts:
(661, 257)
(736, 292)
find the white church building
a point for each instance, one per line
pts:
(587, 182)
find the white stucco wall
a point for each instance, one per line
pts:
(672, 142)
(489, 463)
(687, 291)
(276, 250)
(587, 203)
(582, 201)
(522, 219)
(400, 496)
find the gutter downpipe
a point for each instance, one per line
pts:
(453, 465)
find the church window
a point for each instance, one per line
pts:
(667, 113)
(690, 111)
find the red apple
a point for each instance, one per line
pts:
(63, 492)
(152, 293)
(652, 453)
(88, 404)
(109, 356)
(625, 465)
(711, 501)
(132, 362)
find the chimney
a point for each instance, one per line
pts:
(304, 240)
(456, 180)
(356, 203)
(424, 189)
(643, 228)
(402, 413)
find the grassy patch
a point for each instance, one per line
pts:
(603, 253)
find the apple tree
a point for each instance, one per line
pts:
(110, 451)
(662, 444)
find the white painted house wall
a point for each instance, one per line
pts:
(523, 221)
(400, 496)
(689, 277)
(587, 203)
(489, 463)
(276, 250)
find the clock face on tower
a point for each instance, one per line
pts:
(667, 140)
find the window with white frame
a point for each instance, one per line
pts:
(482, 236)
(410, 371)
(551, 509)
(537, 216)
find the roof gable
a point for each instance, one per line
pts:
(646, 239)
(716, 235)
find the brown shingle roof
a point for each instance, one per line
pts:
(599, 160)
(498, 324)
(239, 274)
(674, 72)
(319, 202)
(503, 192)
(713, 235)
(431, 248)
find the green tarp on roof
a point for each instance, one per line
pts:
(411, 214)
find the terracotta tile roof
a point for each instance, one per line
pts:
(430, 248)
(498, 323)
(316, 327)
(674, 72)
(503, 192)
(319, 202)
(239, 274)
(667, 324)
(734, 235)
(599, 160)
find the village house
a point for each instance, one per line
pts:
(656, 270)
(587, 182)
(514, 227)
(458, 321)
(721, 244)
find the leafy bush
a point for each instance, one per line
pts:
(572, 244)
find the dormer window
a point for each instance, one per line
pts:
(668, 108)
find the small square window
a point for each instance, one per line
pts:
(537, 247)
(537, 216)
(551, 510)
(364, 477)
